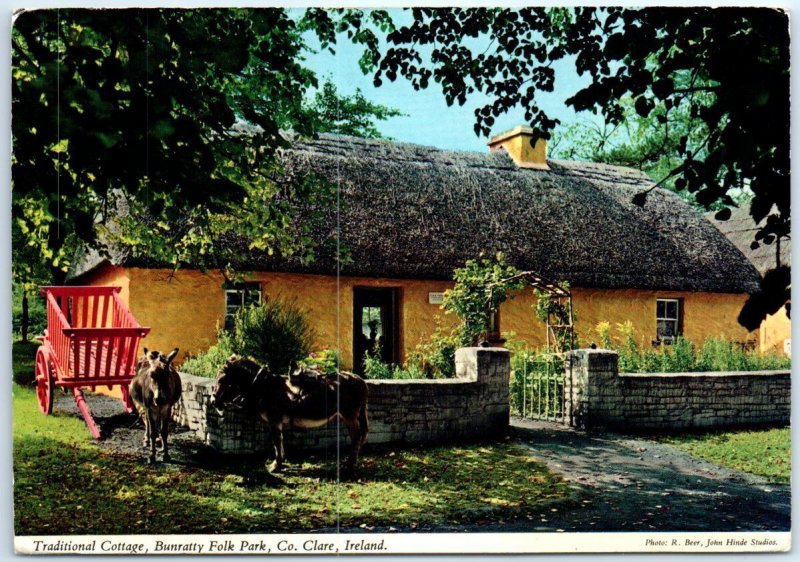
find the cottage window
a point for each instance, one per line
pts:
(239, 296)
(667, 320)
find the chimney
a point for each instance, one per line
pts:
(517, 142)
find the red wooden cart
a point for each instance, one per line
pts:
(91, 340)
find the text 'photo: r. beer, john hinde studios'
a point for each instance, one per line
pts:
(408, 280)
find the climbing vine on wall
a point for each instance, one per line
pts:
(480, 287)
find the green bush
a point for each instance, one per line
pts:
(375, 368)
(325, 361)
(480, 287)
(209, 363)
(436, 358)
(683, 356)
(275, 333)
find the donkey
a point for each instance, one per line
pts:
(155, 389)
(304, 400)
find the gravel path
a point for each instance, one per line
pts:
(621, 483)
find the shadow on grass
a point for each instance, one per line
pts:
(78, 488)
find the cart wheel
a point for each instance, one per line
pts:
(44, 382)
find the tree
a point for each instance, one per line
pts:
(348, 115)
(28, 272)
(726, 67)
(160, 128)
(643, 143)
(149, 104)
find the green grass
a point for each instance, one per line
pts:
(765, 452)
(64, 483)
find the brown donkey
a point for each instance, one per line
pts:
(155, 389)
(305, 400)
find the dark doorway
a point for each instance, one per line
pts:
(375, 327)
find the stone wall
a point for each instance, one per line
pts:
(471, 406)
(598, 396)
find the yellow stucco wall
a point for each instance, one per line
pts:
(705, 314)
(182, 310)
(185, 309)
(774, 331)
(111, 276)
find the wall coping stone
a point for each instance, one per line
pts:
(777, 372)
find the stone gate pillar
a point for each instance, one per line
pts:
(490, 367)
(590, 375)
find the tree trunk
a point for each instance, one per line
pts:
(24, 322)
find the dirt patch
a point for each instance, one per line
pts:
(123, 433)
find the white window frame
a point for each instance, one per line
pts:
(241, 292)
(676, 320)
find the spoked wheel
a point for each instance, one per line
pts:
(44, 381)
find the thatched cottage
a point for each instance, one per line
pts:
(411, 214)
(775, 332)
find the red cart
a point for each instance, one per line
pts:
(91, 340)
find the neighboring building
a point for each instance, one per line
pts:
(775, 332)
(411, 214)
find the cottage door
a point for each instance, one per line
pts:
(374, 325)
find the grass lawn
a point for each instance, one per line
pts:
(64, 483)
(765, 452)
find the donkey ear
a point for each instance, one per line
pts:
(172, 355)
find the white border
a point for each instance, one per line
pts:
(440, 543)
(395, 543)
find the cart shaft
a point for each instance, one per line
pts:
(86, 412)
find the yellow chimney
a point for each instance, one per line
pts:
(517, 142)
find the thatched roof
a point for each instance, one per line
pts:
(741, 229)
(412, 211)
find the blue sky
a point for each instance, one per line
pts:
(430, 121)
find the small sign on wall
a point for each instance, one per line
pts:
(435, 298)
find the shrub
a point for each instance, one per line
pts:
(629, 356)
(23, 358)
(604, 334)
(436, 358)
(325, 361)
(275, 333)
(374, 368)
(550, 309)
(209, 363)
(682, 356)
